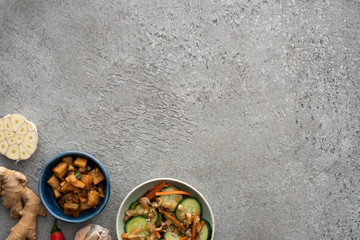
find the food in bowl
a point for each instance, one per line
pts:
(166, 212)
(76, 185)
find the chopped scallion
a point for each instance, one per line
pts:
(78, 175)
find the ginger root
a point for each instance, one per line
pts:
(22, 202)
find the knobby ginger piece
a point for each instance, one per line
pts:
(18, 137)
(22, 202)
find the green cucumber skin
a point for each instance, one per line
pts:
(160, 218)
(207, 224)
(133, 204)
(156, 218)
(137, 207)
(177, 212)
(134, 219)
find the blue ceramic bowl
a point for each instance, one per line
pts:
(47, 196)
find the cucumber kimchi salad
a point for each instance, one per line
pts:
(165, 213)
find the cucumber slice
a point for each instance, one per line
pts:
(155, 219)
(137, 223)
(137, 206)
(133, 204)
(172, 234)
(205, 232)
(158, 222)
(189, 205)
(170, 201)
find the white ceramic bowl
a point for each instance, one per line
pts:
(140, 191)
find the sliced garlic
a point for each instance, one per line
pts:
(9, 134)
(2, 135)
(18, 137)
(31, 127)
(13, 152)
(12, 140)
(7, 124)
(16, 120)
(4, 147)
(30, 147)
(23, 129)
(23, 153)
(31, 137)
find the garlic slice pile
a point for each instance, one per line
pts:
(18, 137)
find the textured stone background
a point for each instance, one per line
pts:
(255, 103)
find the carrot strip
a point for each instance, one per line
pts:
(201, 224)
(172, 192)
(158, 188)
(194, 228)
(183, 238)
(173, 219)
(173, 186)
(151, 188)
(157, 235)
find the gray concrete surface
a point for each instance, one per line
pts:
(255, 103)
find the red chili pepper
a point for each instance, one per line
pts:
(56, 233)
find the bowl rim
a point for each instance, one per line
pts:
(165, 179)
(86, 155)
